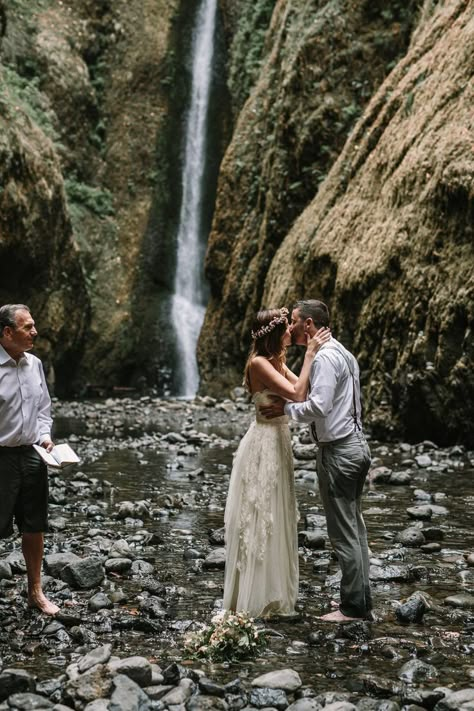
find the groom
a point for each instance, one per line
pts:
(343, 459)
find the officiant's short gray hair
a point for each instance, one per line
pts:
(8, 313)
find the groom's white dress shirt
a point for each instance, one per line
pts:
(330, 405)
(25, 405)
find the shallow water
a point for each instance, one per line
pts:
(336, 662)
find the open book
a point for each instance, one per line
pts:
(60, 456)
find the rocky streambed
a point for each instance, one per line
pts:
(135, 560)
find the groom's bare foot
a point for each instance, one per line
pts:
(39, 601)
(337, 616)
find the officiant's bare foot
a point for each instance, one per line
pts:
(337, 616)
(39, 601)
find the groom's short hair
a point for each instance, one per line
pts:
(316, 310)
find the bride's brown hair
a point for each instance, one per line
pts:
(267, 339)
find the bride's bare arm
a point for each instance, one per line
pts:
(296, 389)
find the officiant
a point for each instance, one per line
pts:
(25, 419)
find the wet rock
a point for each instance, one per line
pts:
(100, 655)
(127, 696)
(16, 562)
(380, 474)
(83, 574)
(314, 520)
(29, 702)
(422, 495)
(455, 700)
(286, 679)
(304, 451)
(121, 549)
(136, 668)
(5, 570)
(461, 600)
(470, 559)
(262, 697)
(317, 638)
(400, 479)
(203, 703)
(13, 681)
(97, 705)
(411, 537)
(412, 610)
(433, 533)
(415, 670)
(118, 565)
(193, 554)
(357, 631)
(142, 567)
(174, 673)
(215, 559)
(55, 562)
(431, 547)
(305, 704)
(180, 694)
(380, 686)
(390, 572)
(93, 684)
(423, 460)
(156, 692)
(426, 698)
(209, 687)
(217, 537)
(312, 539)
(421, 513)
(341, 706)
(100, 601)
(154, 607)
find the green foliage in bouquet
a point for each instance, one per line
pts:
(229, 637)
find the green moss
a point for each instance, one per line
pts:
(15, 90)
(97, 200)
(246, 52)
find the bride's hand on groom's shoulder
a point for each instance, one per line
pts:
(275, 408)
(322, 336)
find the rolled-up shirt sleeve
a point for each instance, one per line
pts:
(45, 421)
(321, 397)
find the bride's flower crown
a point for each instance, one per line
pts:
(268, 328)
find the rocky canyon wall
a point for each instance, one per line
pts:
(387, 239)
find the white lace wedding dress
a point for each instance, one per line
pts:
(261, 574)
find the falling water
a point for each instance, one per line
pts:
(188, 305)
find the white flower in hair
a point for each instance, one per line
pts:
(265, 330)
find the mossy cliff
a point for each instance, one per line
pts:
(91, 92)
(387, 240)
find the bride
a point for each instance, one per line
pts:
(261, 574)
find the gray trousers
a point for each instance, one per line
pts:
(342, 467)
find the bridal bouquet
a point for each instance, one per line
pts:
(229, 637)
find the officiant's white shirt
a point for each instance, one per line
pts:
(25, 405)
(330, 405)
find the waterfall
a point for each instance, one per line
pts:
(188, 303)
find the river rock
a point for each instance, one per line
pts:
(83, 574)
(304, 451)
(415, 670)
(286, 679)
(423, 460)
(424, 698)
(470, 559)
(412, 610)
(390, 572)
(29, 702)
(411, 537)
(463, 600)
(305, 704)
(215, 559)
(121, 549)
(5, 570)
(217, 536)
(432, 547)
(180, 694)
(422, 513)
(100, 601)
(55, 562)
(433, 533)
(97, 705)
(93, 684)
(455, 700)
(400, 479)
(14, 681)
(341, 706)
(312, 539)
(127, 695)
(202, 702)
(380, 474)
(262, 697)
(136, 668)
(100, 655)
(16, 561)
(118, 565)
(211, 688)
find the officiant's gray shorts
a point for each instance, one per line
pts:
(23, 491)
